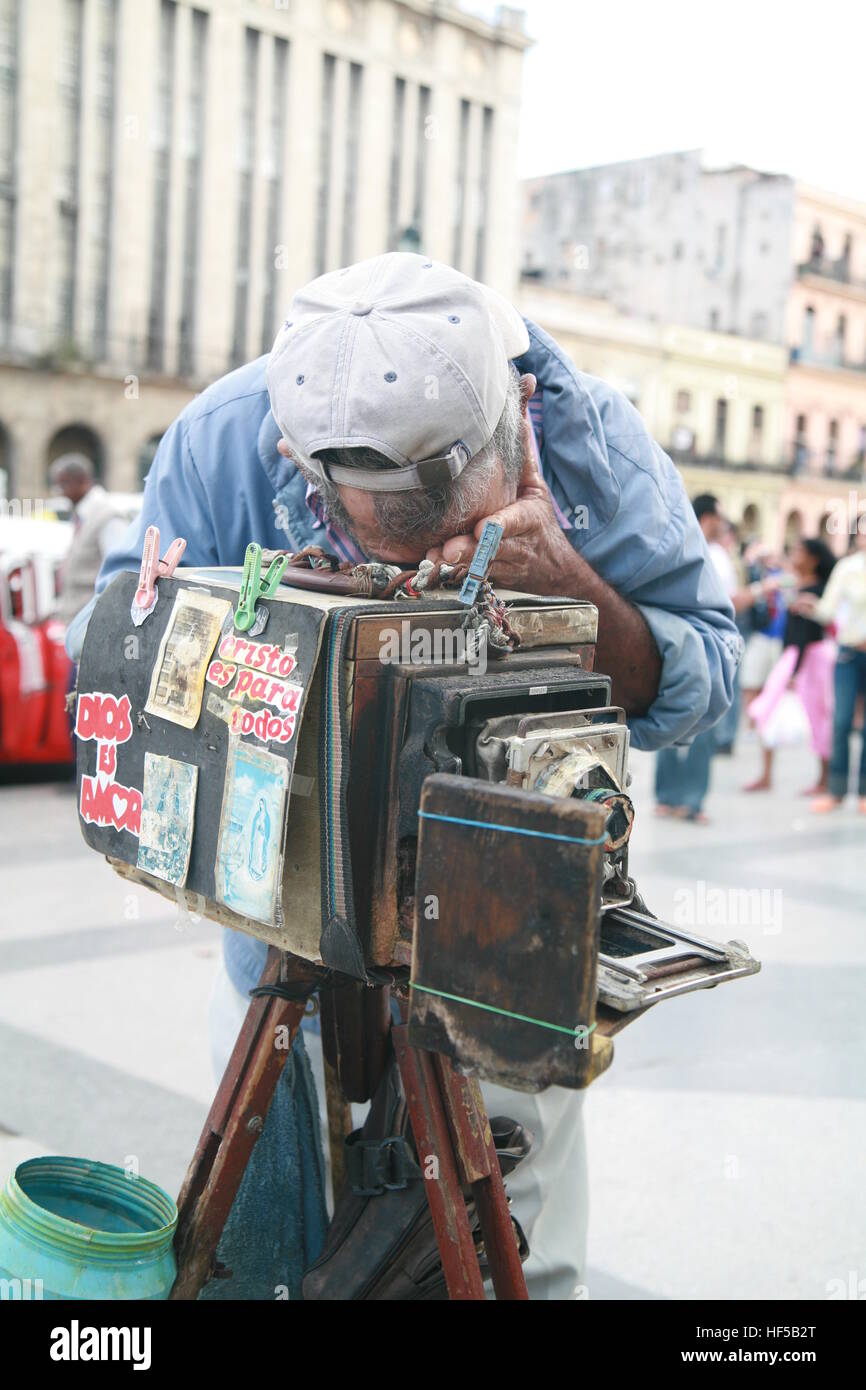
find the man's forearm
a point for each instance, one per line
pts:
(626, 649)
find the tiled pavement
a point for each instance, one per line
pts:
(726, 1143)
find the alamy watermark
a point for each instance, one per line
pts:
(438, 646)
(25, 508)
(846, 516)
(21, 1290)
(702, 905)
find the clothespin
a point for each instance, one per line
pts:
(152, 568)
(485, 553)
(253, 587)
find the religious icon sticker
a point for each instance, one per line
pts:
(168, 810)
(107, 720)
(177, 683)
(251, 832)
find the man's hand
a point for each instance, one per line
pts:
(534, 555)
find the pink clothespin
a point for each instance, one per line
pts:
(172, 557)
(152, 568)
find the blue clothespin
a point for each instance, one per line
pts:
(485, 553)
(253, 587)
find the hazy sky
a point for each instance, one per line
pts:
(779, 84)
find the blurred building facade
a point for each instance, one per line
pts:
(714, 401)
(740, 255)
(170, 173)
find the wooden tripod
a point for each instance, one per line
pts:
(447, 1113)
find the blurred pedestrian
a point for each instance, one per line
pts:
(98, 526)
(803, 672)
(843, 603)
(728, 561)
(683, 774)
(765, 641)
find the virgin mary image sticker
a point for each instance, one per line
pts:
(251, 832)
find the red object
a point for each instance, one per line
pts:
(34, 668)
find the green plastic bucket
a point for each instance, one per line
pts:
(70, 1228)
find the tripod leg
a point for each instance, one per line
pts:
(433, 1140)
(478, 1165)
(234, 1124)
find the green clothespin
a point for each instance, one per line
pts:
(253, 587)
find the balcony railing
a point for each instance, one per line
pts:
(802, 464)
(807, 463)
(840, 271)
(687, 459)
(833, 360)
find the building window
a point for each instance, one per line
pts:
(353, 141)
(808, 330)
(801, 449)
(460, 191)
(684, 402)
(397, 119)
(678, 250)
(421, 147)
(69, 130)
(326, 117)
(757, 441)
(841, 331)
(845, 258)
(275, 162)
(759, 325)
(714, 320)
(163, 118)
(483, 191)
(721, 427)
(721, 237)
(105, 99)
(246, 171)
(832, 444)
(8, 154)
(195, 101)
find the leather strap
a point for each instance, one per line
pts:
(374, 1166)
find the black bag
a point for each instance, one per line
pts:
(381, 1243)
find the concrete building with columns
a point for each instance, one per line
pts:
(172, 170)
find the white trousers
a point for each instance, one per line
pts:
(548, 1190)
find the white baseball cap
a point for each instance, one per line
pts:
(400, 354)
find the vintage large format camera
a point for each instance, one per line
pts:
(356, 785)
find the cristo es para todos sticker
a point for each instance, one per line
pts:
(264, 684)
(107, 720)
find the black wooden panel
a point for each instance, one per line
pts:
(118, 658)
(507, 896)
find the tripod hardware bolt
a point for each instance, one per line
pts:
(255, 1124)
